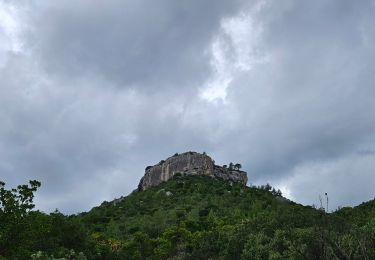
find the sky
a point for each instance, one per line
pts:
(92, 92)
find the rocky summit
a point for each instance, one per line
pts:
(189, 163)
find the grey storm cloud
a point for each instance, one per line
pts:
(147, 44)
(91, 93)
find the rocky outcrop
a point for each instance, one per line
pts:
(189, 163)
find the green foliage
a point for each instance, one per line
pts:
(233, 166)
(15, 205)
(197, 217)
(188, 217)
(24, 232)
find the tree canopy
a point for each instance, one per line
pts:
(188, 217)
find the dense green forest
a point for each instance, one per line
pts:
(190, 217)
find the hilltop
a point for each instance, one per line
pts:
(190, 163)
(199, 217)
(190, 214)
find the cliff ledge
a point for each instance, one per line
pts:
(189, 163)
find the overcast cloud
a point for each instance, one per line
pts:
(91, 92)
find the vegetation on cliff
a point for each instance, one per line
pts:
(192, 217)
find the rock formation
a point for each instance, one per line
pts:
(189, 163)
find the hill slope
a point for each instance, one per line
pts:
(190, 217)
(193, 199)
(198, 217)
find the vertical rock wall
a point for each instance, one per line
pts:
(189, 163)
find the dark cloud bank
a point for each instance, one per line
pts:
(90, 94)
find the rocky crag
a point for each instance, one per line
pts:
(189, 163)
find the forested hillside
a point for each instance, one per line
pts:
(190, 217)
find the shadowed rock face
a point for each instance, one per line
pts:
(189, 163)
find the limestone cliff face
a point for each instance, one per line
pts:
(189, 163)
